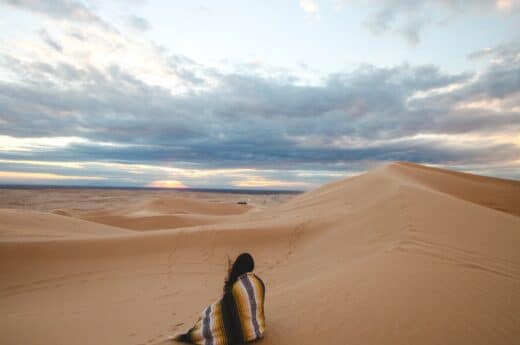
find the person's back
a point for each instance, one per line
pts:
(247, 306)
(236, 318)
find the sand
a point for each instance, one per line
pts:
(403, 254)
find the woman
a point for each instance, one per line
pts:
(238, 317)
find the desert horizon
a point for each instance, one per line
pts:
(298, 172)
(401, 254)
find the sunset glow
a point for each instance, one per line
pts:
(167, 184)
(28, 176)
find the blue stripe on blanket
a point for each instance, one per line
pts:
(252, 302)
(206, 331)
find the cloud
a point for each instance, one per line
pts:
(507, 4)
(253, 121)
(16, 176)
(50, 41)
(505, 53)
(410, 18)
(138, 114)
(309, 6)
(57, 9)
(138, 23)
(90, 52)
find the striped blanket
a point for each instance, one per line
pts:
(238, 317)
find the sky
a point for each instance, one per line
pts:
(285, 94)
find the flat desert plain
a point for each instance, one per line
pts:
(404, 254)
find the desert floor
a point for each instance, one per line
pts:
(403, 254)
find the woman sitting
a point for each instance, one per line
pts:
(238, 317)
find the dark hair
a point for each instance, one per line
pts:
(244, 263)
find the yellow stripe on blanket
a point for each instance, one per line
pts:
(209, 328)
(242, 320)
(248, 293)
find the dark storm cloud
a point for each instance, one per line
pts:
(246, 120)
(120, 101)
(500, 81)
(277, 155)
(502, 78)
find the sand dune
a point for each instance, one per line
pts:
(402, 254)
(187, 205)
(167, 213)
(499, 194)
(23, 224)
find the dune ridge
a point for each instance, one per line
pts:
(167, 213)
(495, 193)
(33, 225)
(401, 254)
